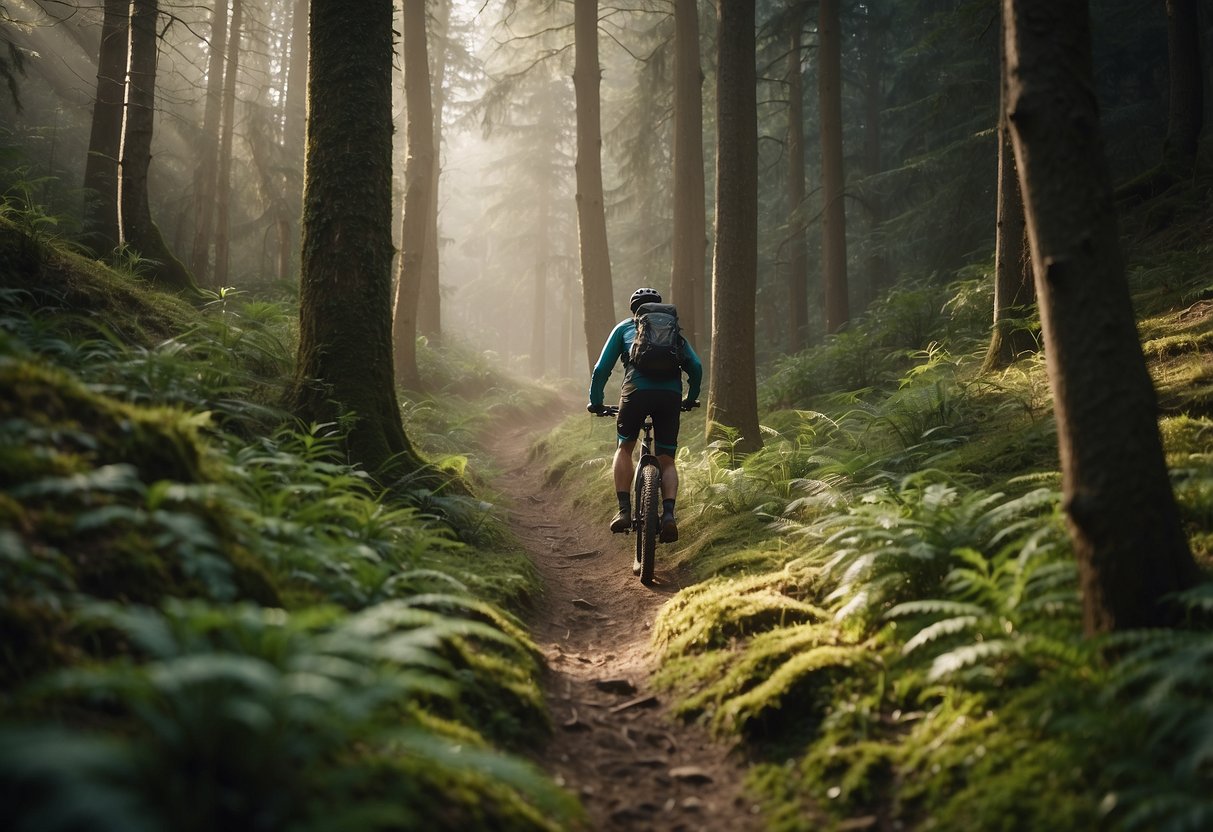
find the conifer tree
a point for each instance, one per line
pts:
(1132, 552)
(344, 365)
(732, 386)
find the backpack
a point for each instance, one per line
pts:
(657, 351)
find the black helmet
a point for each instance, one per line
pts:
(644, 296)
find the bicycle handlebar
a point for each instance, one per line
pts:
(613, 410)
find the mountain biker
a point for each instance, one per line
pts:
(642, 396)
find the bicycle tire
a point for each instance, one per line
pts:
(650, 517)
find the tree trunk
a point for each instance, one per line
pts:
(539, 313)
(101, 167)
(878, 272)
(293, 136)
(1014, 292)
(690, 223)
(429, 307)
(834, 230)
(345, 325)
(1186, 118)
(1131, 549)
(418, 176)
(798, 254)
(567, 325)
(733, 387)
(545, 187)
(597, 296)
(135, 226)
(223, 201)
(208, 159)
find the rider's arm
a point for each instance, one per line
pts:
(612, 351)
(694, 370)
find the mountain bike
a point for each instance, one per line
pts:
(646, 499)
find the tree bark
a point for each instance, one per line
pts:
(345, 326)
(597, 295)
(546, 183)
(1014, 291)
(208, 157)
(690, 222)
(1121, 513)
(539, 313)
(293, 136)
(567, 325)
(1186, 116)
(135, 226)
(429, 309)
(733, 387)
(223, 201)
(101, 167)
(418, 177)
(833, 182)
(798, 254)
(879, 274)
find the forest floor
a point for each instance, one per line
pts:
(634, 765)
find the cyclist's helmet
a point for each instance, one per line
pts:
(644, 296)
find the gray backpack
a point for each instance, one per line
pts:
(658, 349)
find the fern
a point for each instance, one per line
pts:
(243, 718)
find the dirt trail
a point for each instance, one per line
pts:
(634, 765)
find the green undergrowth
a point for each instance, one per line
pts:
(211, 621)
(885, 609)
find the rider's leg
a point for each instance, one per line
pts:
(669, 477)
(669, 492)
(624, 467)
(623, 471)
(627, 429)
(665, 437)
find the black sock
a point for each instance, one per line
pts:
(625, 500)
(667, 508)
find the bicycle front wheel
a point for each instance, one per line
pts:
(650, 516)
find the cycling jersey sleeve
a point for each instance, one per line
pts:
(694, 370)
(612, 351)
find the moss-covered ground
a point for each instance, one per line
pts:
(210, 620)
(885, 609)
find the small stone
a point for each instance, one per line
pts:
(691, 774)
(582, 604)
(692, 804)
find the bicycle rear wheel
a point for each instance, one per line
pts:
(650, 516)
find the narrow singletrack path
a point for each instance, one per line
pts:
(615, 744)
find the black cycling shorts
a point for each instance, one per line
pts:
(665, 406)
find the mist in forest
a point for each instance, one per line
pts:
(919, 108)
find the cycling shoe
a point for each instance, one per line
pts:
(622, 522)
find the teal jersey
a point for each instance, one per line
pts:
(617, 348)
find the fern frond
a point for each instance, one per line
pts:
(938, 630)
(969, 656)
